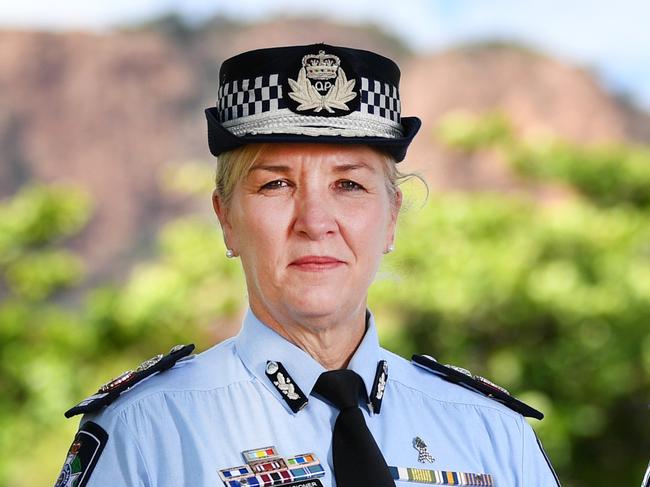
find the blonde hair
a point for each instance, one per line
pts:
(234, 165)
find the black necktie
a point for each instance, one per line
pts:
(357, 458)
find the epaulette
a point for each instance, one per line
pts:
(114, 388)
(464, 377)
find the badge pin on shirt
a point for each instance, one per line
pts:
(437, 477)
(423, 454)
(285, 385)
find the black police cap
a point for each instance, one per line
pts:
(315, 93)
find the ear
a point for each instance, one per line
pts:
(221, 211)
(395, 207)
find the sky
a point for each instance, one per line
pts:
(612, 38)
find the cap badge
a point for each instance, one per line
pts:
(322, 84)
(423, 454)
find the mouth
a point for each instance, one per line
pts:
(315, 263)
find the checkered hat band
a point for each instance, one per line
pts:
(254, 96)
(380, 99)
(241, 98)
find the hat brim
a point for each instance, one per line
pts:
(221, 139)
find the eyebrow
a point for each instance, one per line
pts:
(271, 168)
(353, 167)
(339, 168)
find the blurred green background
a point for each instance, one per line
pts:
(549, 299)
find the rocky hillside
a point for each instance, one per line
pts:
(100, 111)
(107, 111)
(538, 94)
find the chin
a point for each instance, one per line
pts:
(317, 302)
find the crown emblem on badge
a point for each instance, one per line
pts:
(314, 88)
(321, 65)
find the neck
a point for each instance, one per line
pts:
(330, 340)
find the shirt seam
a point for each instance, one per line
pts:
(523, 450)
(510, 415)
(120, 409)
(137, 447)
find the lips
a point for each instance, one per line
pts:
(316, 263)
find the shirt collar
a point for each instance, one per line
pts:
(257, 343)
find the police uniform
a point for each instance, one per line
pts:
(247, 412)
(191, 424)
(646, 478)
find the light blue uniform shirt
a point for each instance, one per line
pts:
(180, 427)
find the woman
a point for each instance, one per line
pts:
(308, 138)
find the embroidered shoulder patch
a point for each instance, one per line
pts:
(82, 456)
(114, 388)
(476, 383)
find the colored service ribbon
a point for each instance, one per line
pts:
(440, 477)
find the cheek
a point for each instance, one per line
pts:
(368, 227)
(262, 230)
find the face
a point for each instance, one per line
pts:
(310, 223)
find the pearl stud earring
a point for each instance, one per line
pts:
(230, 254)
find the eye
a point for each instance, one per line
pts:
(347, 185)
(276, 184)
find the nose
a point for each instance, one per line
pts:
(314, 216)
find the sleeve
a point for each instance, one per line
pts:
(646, 478)
(537, 470)
(104, 453)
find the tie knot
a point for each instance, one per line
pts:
(340, 387)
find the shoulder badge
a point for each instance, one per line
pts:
(82, 456)
(114, 388)
(464, 377)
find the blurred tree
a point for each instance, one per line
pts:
(550, 300)
(55, 350)
(36, 332)
(552, 303)
(611, 174)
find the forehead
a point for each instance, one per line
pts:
(335, 154)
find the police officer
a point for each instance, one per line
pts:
(307, 139)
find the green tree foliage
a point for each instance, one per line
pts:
(550, 300)
(607, 174)
(56, 349)
(36, 332)
(551, 303)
